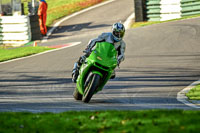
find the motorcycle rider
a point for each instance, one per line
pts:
(115, 37)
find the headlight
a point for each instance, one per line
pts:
(99, 58)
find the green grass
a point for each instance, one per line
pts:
(146, 23)
(60, 8)
(194, 93)
(151, 121)
(13, 53)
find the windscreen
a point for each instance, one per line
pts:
(106, 50)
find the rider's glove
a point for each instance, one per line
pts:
(87, 51)
(83, 58)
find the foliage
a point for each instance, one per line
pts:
(7, 54)
(60, 8)
(146, 23)
(149, 121)
(194, 93)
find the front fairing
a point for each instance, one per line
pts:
(102, 59)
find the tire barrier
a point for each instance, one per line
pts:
(35, 28)
(140, 12)
(190, 7)
(161, 10)
(15, 30)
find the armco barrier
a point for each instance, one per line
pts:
(15, 30)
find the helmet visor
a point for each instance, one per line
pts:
(118, 34)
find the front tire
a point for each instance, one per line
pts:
(77, 95)
(92, 83)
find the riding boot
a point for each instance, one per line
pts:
(77, 65)
(113, 75)
(75, 72)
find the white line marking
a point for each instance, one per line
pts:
(73, 15)
(183, 98)
(129, 21)
(72, 44)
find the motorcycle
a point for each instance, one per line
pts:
(95, 71)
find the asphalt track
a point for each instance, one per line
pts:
(161, 60)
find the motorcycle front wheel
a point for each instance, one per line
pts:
(91, 85)
(77, 95)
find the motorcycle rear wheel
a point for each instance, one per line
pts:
(91, 86)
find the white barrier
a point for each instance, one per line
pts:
(170, 9)
(15, 30)
(161, 10)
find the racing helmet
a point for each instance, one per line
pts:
(118, 31)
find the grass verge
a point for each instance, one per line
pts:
(141, 24)
(149, 121)
(194, 93)
(60, 8)
(8, 54)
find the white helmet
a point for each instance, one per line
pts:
(118, 31)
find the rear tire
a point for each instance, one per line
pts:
(77, 95)
(90, 87)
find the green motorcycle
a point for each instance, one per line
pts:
(95, 71)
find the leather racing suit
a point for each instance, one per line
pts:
(108, 37)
